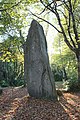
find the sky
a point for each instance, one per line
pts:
(50, 39)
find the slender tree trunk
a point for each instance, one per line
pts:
(64, 74)
(78, 64)
(79, 68)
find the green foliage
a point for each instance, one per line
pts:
(72, 85)
(12, 82)
(64, 58)
(68, 24)
(4, 83)
(68, 62)
(19, 82)
(11, 49)
(11, 74)
(57, 72)
(14, 15)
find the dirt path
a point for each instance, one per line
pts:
(16, 105)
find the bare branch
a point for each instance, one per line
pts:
(55, 11)
(70, 32)
(73, 21)
(48, 6)
(63, 32)
(45, 21)
(63, 14)
(45, 6)
(65, 4)
(42, 11)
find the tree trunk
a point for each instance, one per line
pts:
(64, 74)
(78, 64)
(79, 68)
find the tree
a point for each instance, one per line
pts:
(64, 58)
(64, 11)
(14, 23)
(11, 61)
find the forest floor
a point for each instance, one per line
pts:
(15, 104)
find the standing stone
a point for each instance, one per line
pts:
(40, 82)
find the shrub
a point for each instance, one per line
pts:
(72, 85)
(4, 84)
(18, 83)
(57, 72)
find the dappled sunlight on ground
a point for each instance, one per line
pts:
(15, 104)
(71, 104)
(10, 101)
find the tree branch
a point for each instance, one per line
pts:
(73, 21)
(63, 32)
(45, 21)
(45, 7)
(70, 32)
(4, 9)
(54, 10)
(48, 6)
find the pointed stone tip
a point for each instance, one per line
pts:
(34, 22)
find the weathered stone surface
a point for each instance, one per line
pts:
(37, 70)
